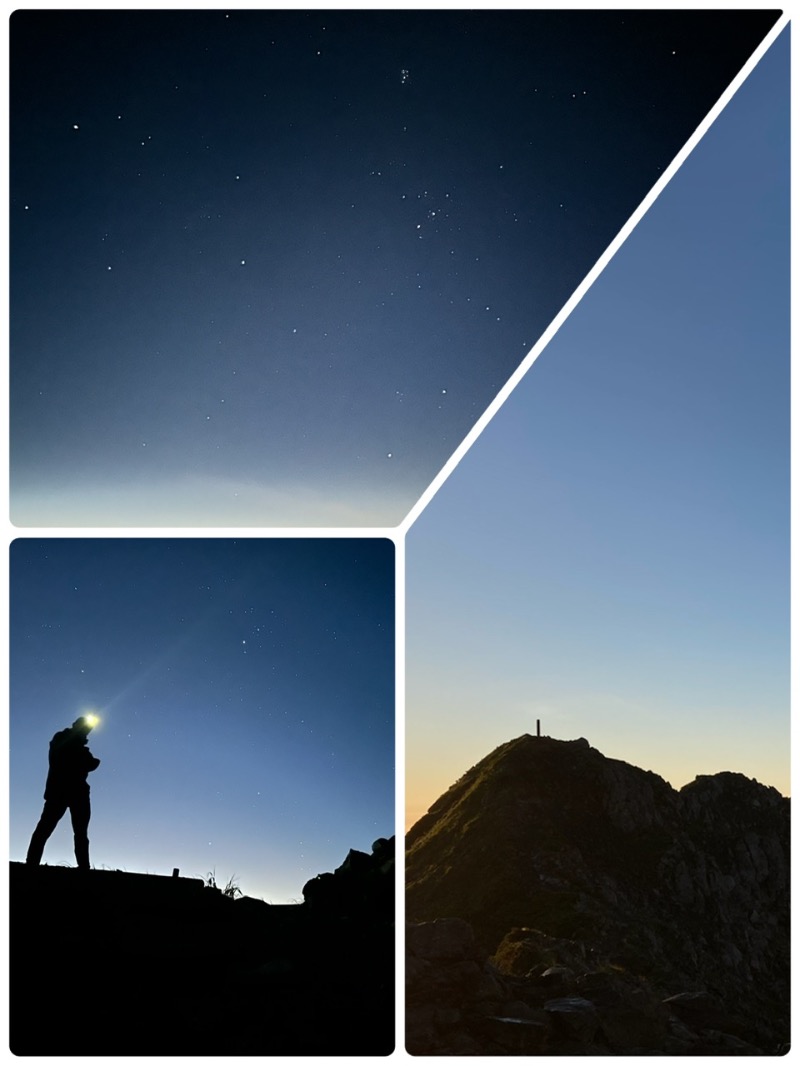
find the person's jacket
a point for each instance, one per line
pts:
(70, 764)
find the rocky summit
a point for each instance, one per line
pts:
(562, 902)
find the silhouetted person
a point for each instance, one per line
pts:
(67, 788)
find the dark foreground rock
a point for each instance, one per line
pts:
(608, 912)
(110, 963)
(458, 1003)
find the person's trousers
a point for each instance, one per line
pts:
(54, 810)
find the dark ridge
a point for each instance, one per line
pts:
(552, 852)
(110, 963)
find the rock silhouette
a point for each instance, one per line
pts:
(112, 963)
(563, 902)
(361, 887)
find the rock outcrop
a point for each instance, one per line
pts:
(363, 885)
(610, 912)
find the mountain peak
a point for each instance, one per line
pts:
(689, 886)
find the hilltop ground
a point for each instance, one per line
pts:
(112, 963)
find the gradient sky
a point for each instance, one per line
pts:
(268, 267)
(612, 555)
(246, 696)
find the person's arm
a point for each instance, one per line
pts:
(90, 762)
(59, 747)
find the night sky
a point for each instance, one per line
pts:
(612, 554)
(246, 696)
(267, 268)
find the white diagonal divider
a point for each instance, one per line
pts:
(593, 275)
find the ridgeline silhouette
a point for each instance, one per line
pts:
(561, 902)
(112, 963)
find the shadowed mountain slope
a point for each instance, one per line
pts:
(547, 842)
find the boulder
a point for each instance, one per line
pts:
(447, 939)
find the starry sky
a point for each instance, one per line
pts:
(268, 267)
(612, 555)
(246, 696)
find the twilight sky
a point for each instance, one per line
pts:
(246, 696)
(267, 268)
(612, 555)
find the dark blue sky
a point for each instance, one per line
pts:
(246, 696)
(612, 554)
(269, 267)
